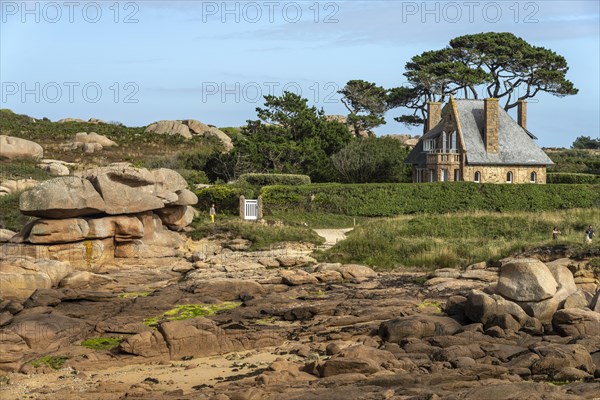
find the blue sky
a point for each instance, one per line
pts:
(141, 61)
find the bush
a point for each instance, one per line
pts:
(384, 200)
(573, 178)
(256, 179)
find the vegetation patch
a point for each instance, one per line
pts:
(263, 237)
(573, 178)
(431, 304)
(457, 240)
(11, 218)
(256, 179)
(189, 311)
(53, 362)
(102, 343)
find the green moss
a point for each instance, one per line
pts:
(268, 321)
(189, 311)
(53, 362)
(102, 343)
(433, 304)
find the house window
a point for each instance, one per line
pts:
(453, 141)
(419, 175)
(477, 177)
(428, 145)
(444, 144)
(509, 177)
(456, 175)
(431, 175)
(533, 177)
(445, 175)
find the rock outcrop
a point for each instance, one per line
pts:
(14, 148)
(55, 167)
(116, 211)
(188, 128)
(88, 142)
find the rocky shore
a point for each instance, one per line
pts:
(226, 323)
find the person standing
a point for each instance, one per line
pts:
(589, 234)
(212, 214)
(555, 233)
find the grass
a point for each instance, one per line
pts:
(263, 237)
(189, 311)
(102, 343)
(317, 220)
(10, 216)
(456, 240)
(135, 145)
(53, 362)
(22, 169)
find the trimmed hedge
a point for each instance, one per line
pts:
(385, 200)
(573, 178)
(226, 198)
(256, 179)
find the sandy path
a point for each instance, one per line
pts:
(332, 236)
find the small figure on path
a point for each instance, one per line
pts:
(555, 233)
(212, 213)
(589, 234)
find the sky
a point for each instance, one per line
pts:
(137, 62)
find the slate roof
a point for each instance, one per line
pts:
(516, 145)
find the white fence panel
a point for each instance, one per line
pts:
(251, 209)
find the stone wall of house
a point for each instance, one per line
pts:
(489, 174)
(498, 174)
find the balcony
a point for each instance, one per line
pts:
(438, 156)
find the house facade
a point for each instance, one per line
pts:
(477, 141)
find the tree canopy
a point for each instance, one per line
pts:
(366, 103)
(492, 64)
(586, 142)
(289, 136)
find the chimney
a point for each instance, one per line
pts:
(490, 134)
(434, 114)
(522, 114)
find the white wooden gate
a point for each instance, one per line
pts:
(251, 210)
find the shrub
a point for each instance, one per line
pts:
(384, 200)
(572, 178)
(256, 179)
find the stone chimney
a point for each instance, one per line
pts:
(490, 133)
(434, 114)
(522, 114)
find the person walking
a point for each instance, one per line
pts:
(555, 233)
(589, 234)
(212, 214)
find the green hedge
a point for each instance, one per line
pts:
(256, 179)
(384, 200)
(573, 178)
(226, 198)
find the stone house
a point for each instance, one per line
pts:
(477, 141)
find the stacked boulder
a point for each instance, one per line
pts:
(114, 211)
(532, 296)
